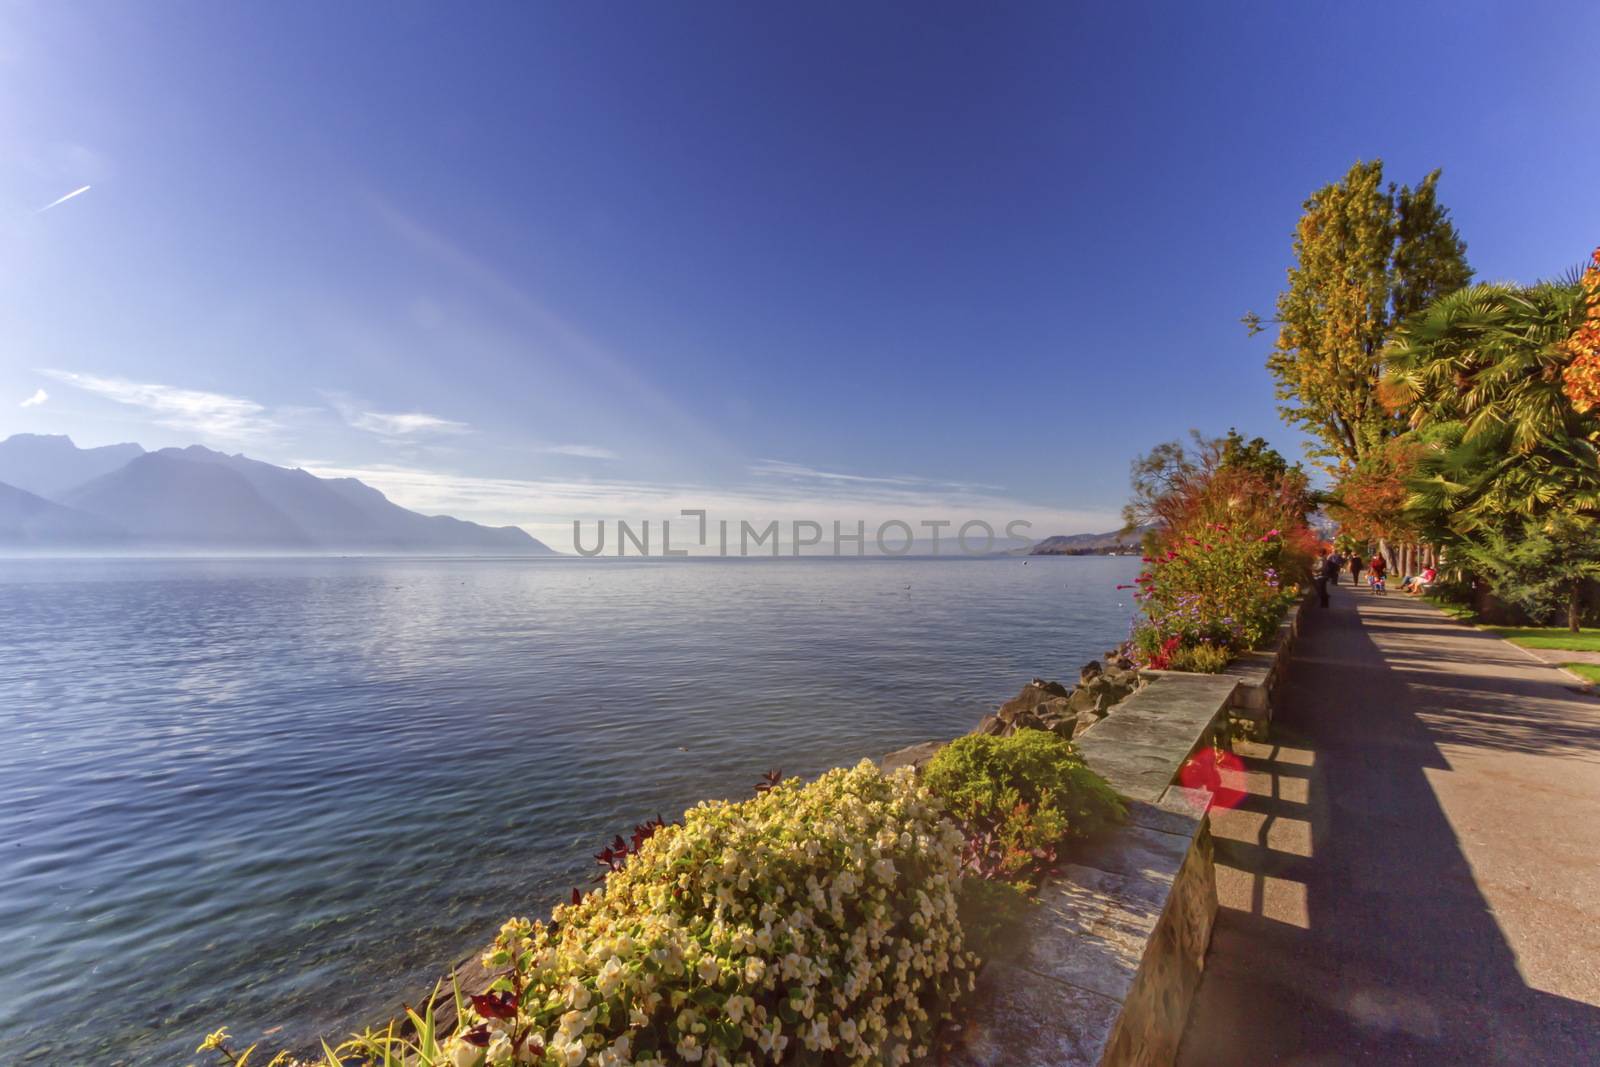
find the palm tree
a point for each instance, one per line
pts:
(1506, 454)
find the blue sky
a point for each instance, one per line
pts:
(535, 262)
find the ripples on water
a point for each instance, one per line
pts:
(289, 792)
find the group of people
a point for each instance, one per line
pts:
(1331, 563)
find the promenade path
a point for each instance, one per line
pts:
(1414, 876)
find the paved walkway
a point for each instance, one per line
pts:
(1415, 875)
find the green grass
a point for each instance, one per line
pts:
(1553, 637)
(1557, 637)
(1452, 608)
(1591, 671)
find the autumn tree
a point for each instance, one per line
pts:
(1581, 379)
(1367, 256)
(1370, 501)
(1216, 479)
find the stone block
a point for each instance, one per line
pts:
(1090, 930)
(1018, 1019)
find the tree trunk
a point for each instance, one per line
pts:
(1574, 606)
(1387, 552)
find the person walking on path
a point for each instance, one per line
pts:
(1378, 568)
(1321, 570)
(1337, 562)
(1356, 564)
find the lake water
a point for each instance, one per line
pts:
(290, 792)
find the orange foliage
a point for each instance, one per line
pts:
(1581, 379)
(1372, 497)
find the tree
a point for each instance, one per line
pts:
(1507, 469)
(1542, 568)
(1218, 481)
(1479, 375)
(1367, 256)
(1369, 503)
(1581, 380)
(1171, 469)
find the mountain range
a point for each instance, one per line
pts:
(1090, 544)
(121, 497)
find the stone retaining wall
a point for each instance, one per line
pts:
(1113, 954)
(1260, 676)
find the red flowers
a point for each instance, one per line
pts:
(1162, 658)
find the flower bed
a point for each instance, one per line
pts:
(1211, 595)
(814, 923)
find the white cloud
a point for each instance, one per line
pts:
(63, 199)
(547, 508)
(401, 424)
(581, 451)
(39, 397)
(798, 473)
(391, 425)
(216, 415)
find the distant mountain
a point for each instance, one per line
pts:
(168, 498)
(48, 465)
(1090, 544)
(29, 519)
(197, 499)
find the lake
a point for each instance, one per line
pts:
(289, 792)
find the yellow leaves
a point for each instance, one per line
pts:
(1581, 378)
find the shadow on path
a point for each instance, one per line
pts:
(1353, 927)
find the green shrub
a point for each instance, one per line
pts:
(1019, 796)
(816, 923)
(1201, 658)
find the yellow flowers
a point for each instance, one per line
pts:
(214, 1040)
(816, 916)
(822, 914)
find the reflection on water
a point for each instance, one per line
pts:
(288, 791)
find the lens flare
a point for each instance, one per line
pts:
(1219, 771)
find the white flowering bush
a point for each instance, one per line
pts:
(815, 923)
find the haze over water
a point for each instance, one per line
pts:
(291, 791)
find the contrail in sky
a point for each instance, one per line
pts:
(63, 200)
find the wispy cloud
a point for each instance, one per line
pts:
(63, 199)
(401, 424)
(547, 508)
(391, 425)
(581, 451)
(799, 474)
(39, 397)
(215, 415)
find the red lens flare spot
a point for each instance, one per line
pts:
(1219, 771)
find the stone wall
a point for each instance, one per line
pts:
(1260, 676)
(1112, 956)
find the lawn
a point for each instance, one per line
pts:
(1591, 671)
(1452, 608)
(1557, 637)
(1554, 637)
